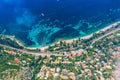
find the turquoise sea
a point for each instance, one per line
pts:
(38, 23)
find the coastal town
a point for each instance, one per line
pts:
(93, 57)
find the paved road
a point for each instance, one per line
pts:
(97, 39)
(117, 71)
(33, 53)
(50, 54)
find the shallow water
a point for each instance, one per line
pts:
(41, 22)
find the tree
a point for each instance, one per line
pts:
(50, 48)
(64, 44)
(61, 43)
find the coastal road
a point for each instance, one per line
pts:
(50, 54)
(32, 53)
(113, 31)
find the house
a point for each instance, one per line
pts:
(56, 62)
(16, 60)
(63, 77)
(72, 75)
(52, 70)
(64, 71)
(66, 62)
(79, 54)
(77, 63)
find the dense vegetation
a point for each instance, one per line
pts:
(7, 41)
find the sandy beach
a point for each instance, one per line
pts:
(88, 36)
(85, 37)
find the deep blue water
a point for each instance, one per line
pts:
(41, 22)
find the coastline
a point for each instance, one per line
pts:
(67, 41)
(84, 37)
(90, 35)
(12, 37)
